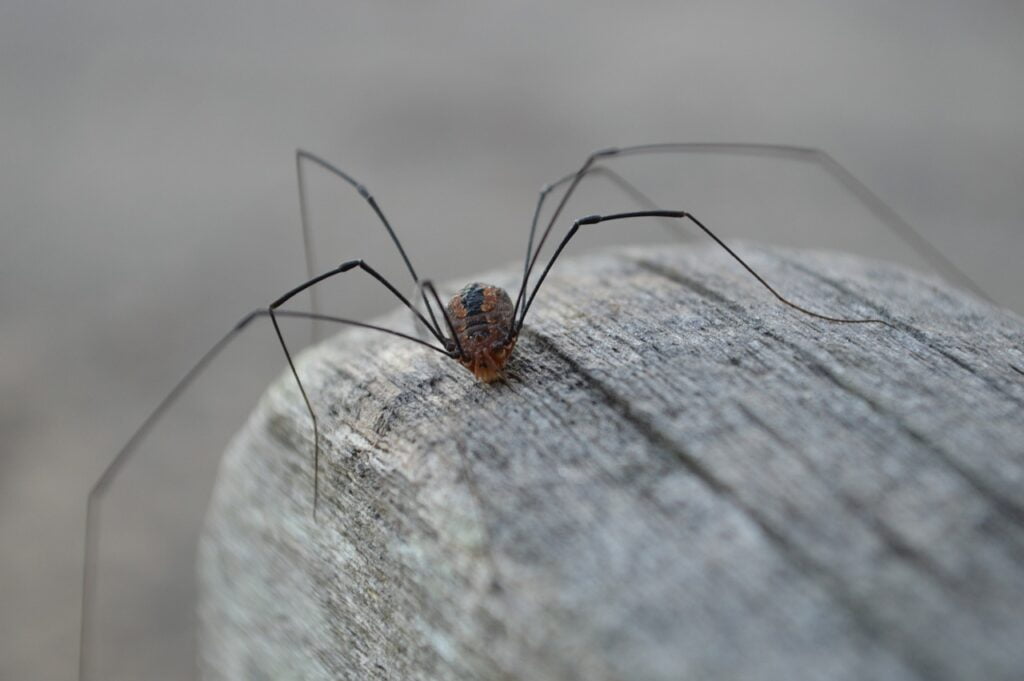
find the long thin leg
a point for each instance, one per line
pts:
(619, 181)
(615, 178)
(346, 266)
(456, 344)
(273, 311)
(595, 219)
(99, 488)
(302, 157)
(872, 201)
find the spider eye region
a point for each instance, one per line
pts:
(482, 317)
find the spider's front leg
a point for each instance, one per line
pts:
(676, 214)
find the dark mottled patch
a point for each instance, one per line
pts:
(473, 299)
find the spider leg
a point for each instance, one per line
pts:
(102, 484)
(301, 158)
(429, 285)
(422, 288)
(273, 311)
(435, 330)
(615, 178)
(595, 219)
(889, 217)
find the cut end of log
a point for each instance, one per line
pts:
(680, 478)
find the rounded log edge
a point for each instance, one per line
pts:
(682, 478)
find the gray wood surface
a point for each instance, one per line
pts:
(682, 479)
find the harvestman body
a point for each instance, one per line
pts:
(482, 321)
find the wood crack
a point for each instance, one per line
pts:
(917, 334)
(866, 622)
(890, 539)
(1006, 506)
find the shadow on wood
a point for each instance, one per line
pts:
(682, 478)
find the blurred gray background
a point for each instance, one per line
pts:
(147, 201)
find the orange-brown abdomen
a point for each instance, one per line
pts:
(482, 317)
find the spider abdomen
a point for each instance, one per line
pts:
(482, 317)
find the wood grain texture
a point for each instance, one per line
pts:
(682, 479)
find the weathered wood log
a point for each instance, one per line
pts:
(682, 479)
